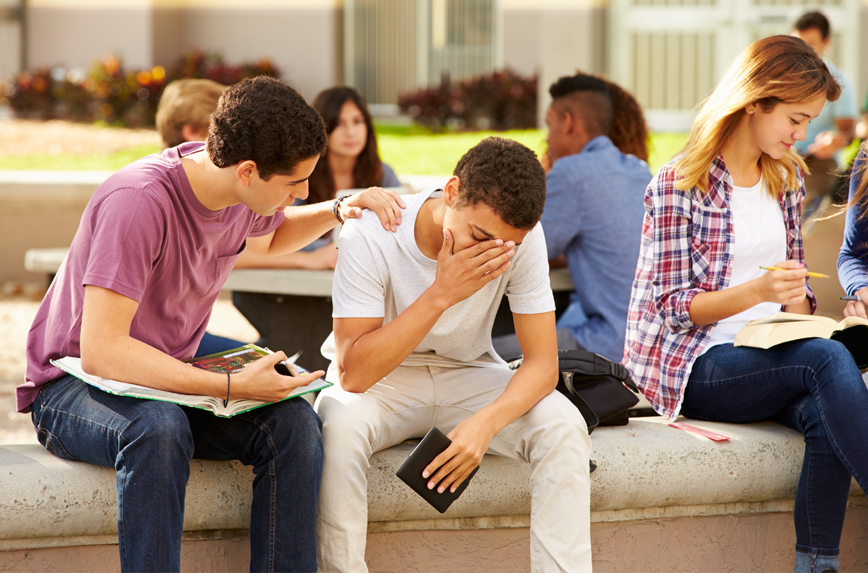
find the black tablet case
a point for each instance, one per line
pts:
(411, 470)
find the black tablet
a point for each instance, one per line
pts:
(411, 470)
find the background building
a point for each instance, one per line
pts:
(668, 52)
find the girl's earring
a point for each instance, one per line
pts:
(750, 112)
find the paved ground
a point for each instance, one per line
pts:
(25, 137)
(18, 305)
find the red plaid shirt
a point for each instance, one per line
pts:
(686, 249)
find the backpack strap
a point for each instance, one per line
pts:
(622, 374)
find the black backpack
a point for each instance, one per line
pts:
(598, 387)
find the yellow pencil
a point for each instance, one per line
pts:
(812, 275)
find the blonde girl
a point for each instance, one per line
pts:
(728, 204)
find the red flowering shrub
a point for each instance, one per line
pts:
(501, 100)
(109, 93)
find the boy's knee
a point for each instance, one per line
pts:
(347, 427)
(344, 413)
(295, 426)
(160, 427)
(555, 422)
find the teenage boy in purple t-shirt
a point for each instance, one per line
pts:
(132, 299)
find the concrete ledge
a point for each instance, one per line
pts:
(37, 191)
(40, 209)
(647, 471)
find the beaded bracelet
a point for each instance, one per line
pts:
(226, 401)
(336, 208)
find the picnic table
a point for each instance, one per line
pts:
(292, 308)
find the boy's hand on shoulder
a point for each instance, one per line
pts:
(470, 440)
(260, 381)
(461, 274)
(384, 202)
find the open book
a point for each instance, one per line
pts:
(852, 332)
(231, 360)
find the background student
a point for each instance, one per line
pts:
(351, 162)
(185, 109)
(834, 128)
(853, 258)
(728, 204)
(593, 212)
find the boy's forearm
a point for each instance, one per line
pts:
(535, 380)
(369, 358)
(302, 225)
(129, 360)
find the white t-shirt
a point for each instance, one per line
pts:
(760, 239)
(380, 274)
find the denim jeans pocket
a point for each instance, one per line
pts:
(43, 417)
(53, 444)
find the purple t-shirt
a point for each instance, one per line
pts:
(146, 236)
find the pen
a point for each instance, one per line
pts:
(813, 275)
(851, 297)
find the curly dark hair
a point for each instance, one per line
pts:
(264, 120)
(506, 176)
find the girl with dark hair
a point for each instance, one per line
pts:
(351, 162)
(728, 204)
(629, 131)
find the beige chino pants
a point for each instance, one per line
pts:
(552, 437)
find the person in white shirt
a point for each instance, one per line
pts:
(411, 350)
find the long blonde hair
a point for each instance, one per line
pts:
(777, 69)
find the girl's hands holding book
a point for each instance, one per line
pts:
(857, 308)
(260, 381)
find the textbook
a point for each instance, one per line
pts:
(230, 360)
(782, 327)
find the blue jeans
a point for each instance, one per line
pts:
(150, 444)
(212, 344)
(812, 386)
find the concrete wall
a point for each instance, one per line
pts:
(75, 36)
(301, 41)
(760, 542)
(861, 78)
(303, 38)
(521, 39)
(40, 210)
(554, 39)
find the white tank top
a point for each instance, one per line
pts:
(760, 239)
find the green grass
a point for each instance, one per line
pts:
(423, 153)
(78, 162)
(408, 149)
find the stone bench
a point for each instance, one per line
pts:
(661, 500)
